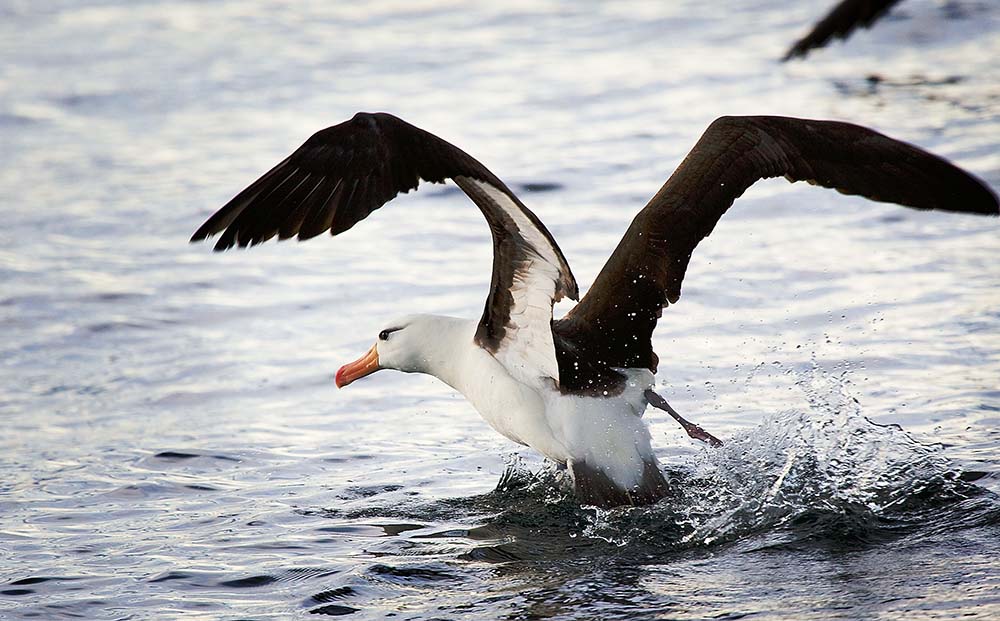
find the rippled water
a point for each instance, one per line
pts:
(173, 445)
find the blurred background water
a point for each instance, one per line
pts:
(173, 444)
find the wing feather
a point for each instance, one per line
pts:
(839, 23)
(615, 319)
(343, 173)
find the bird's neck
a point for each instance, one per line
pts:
(446, 350)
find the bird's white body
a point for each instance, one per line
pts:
(606, 433)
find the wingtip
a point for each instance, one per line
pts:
(791, 54)
(987, 202)
(223, 244)
(994, 209)
(204, 231)
(198, 235)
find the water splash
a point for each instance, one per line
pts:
(825, 473)
(821, 480)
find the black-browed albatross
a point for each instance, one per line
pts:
(574, 388)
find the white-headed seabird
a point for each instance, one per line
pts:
(573, 388)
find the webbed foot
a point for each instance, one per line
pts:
(692, 429)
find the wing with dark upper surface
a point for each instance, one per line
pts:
(345, 172)
(839, 23)
(615, 319)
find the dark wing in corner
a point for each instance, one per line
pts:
(345, 172)
(839, 23)
(615, 319)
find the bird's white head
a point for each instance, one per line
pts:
(412, 344)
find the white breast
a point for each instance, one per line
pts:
(514, 409)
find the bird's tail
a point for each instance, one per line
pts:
(594, 487)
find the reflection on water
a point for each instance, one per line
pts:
(173, 444)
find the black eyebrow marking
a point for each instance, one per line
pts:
(384, 334)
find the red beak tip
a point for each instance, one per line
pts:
(338, 379)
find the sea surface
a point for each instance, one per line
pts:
(172, 443)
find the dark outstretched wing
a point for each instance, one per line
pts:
(343, 173)
(839, 23)
(615, 319)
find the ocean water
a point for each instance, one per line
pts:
(173, 445)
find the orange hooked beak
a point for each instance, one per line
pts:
(365, 365)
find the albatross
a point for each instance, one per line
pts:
(573, 388)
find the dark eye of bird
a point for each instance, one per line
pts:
(383, 335)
